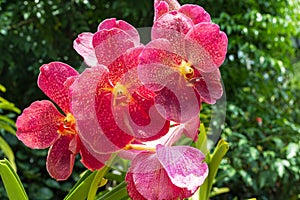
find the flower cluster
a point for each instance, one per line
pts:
(133, 99)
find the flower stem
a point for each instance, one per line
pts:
(99, 177)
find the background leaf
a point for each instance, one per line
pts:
(12, 183)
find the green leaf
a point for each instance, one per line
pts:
(218, 191)
(7, 128)
(81, 188)
(8, 152)
(2, 88)
(118, 192)
(5, 105)
(7, 120)
(11, 180)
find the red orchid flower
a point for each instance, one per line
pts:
(117, 108)
(41, 125)
(181, 62)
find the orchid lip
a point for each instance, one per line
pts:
(67, 126)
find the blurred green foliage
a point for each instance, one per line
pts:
(261, 81)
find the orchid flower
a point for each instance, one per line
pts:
(181, 63)
(117, 107)
(180, 170)
(41, 125)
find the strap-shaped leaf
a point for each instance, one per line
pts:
(119, 192)
(12, 182)
(8, 152)
(81, 188)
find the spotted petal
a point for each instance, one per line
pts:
(60, 160)
(172, 26)
(206, 46)
(178, 102)
(122, 25)
(160, 8)
(196, 13)
(83, 45)
(114, 126)
(111, 44)
(184, 166)
(51, 81)
(38, 124)
(209, 86)
(86, 110)
(157, 64)
(136, 116)
(149, 177)
(131, 188)
(173, 4)
(91, 162)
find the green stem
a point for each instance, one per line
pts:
(98, 178)
(213, 162)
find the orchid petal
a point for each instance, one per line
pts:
(177, 102)
(51, 81)
(206, 46)
(142, 117)
(173, 4)
(116, 129)
(111, 44)
(184, 166)
(209, 86)
(190, 128)
(173, 26)
(113, 23)
(60, 160)
(171, 23)
(161, 8)
(37, 126)
(195, 13)
(125, 67)
(131, 188)
(138, 116)
(157, 64)
(88, 114)
(89, 161)
(149, 177)
(84, 47)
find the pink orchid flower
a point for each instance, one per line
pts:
(93, 46)
(181, 63)
(157, 164)
(41, 125)
(179, 170)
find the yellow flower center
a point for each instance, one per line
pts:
(121, 95)
(67, 126)
(186, 70)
